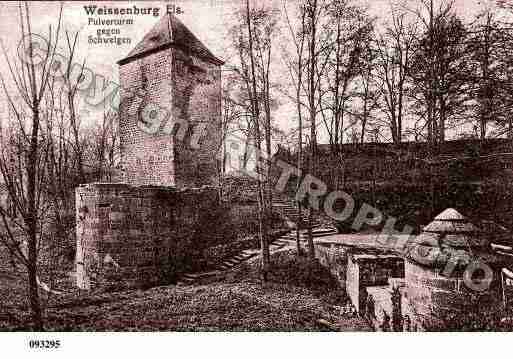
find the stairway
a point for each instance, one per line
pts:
(280, 242)
(288, 209)
(227, 264)
(237, 259)
(316, 233)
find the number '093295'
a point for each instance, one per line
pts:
(44, 344)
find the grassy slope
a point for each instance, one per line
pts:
(294, 299)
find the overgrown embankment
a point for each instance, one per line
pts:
(297, 296)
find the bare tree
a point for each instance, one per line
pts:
(71, 87)
(490, 50)
(368, 93)
(25, 180)
(313, 47)
(252, 38)
(349, 30)
(103, 145)
(67, 143)
(296, 68)
(439, 68)
(394, 51)
(343, 48)
(314, 10)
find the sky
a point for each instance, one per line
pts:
(207, 19)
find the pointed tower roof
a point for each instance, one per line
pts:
(168, 32)
(450, 221)
(450, 214)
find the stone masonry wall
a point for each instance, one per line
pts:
(147, 156)
(137, 236)
(187, 90)
(197, 99)
(432, 298)
(353, 289)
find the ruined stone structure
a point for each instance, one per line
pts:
(143, 230)
(370, 270)
(437, 261)
(446, 278)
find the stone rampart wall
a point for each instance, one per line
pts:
(141, 236)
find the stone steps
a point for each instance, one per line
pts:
(290, 212)
(275, 246)
(243, 256)
(316, 233)
(279, 243)
(236, 260)
(191, 278)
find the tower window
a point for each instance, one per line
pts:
(144, 79)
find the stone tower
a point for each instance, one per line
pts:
(144, 230)
(452, 276)
(170, 113)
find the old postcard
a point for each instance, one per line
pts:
(261, 166)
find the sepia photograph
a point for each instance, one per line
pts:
(284, 166)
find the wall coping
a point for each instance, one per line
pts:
(125, 185)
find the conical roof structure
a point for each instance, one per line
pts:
(450, 214)
(449, 234)
(450, 221)
(453, 229)
(170, 31)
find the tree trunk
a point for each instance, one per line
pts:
(300, 140)
(262, 220)
(298, 226)
(268, 180)
(443, 121)
(31, 221)
(312, 108)
(510, 127)
(311, 247)
(299, 166)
